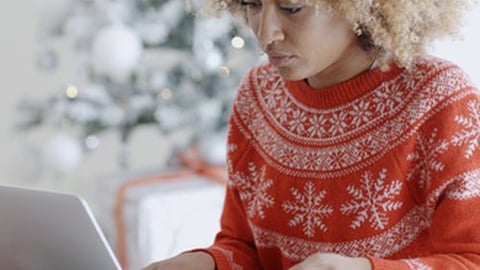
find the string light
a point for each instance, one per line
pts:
(238, 42)
(224, 71)
(166, 93)
(71, 92)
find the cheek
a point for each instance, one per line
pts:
(343, 34)
(333, 42)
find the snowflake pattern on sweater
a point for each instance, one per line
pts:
(424, 159)
(307, 209)
(372, 201)
(470, 134)
(253, 188)
(407, 105)
(383, 165)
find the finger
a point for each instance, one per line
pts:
(151, 266)
(298, 266)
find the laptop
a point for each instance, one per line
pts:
(43, 230)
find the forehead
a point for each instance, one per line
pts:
(280, 1)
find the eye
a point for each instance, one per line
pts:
(291, 10)
(249, 3)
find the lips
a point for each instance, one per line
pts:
(279, 60)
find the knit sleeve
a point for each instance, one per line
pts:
(451, 196)
(234, 246)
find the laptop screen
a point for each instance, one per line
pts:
(48, 230)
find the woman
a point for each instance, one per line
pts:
(351, 148)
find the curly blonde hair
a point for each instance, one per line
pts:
(397, 29)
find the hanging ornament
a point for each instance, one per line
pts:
(116, 52)
(63, 153)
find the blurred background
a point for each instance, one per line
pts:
(117, 100)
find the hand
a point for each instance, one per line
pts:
(330, 261)
(185, 261)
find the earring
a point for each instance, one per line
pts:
(357, 29)
(363, 36)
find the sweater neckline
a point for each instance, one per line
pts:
(341, 93)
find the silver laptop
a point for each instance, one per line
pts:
(42, 230)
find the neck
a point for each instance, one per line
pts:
(355, 62)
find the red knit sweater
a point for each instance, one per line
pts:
(385, 166)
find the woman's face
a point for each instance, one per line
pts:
(305, 42)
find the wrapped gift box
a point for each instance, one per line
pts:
(147, 217)
(182, 220)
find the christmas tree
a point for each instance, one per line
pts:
(143, 62)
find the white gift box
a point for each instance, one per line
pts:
(151, 217)
(178, 221)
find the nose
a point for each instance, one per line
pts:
(269, 28)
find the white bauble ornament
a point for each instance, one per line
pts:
(116, 52)
(213, 148)
(63, 153)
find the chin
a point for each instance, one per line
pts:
(290, 75)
